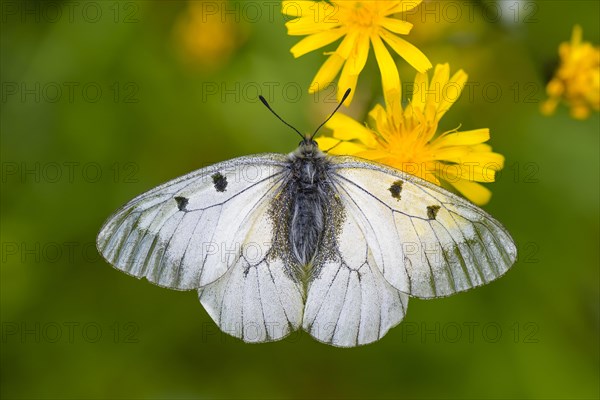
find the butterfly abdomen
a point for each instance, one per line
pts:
(306, 226)
(308, 188)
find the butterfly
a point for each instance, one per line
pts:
(333, 245)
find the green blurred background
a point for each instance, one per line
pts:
(104, 100)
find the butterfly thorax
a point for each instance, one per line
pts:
(307, 149)
(308, 191)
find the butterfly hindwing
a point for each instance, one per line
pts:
(258, 299)
(426, 241)
(349, 303)
(187, 233)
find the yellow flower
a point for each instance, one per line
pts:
(405, 138)
(206, 36)
(577, 79)
(358, 23)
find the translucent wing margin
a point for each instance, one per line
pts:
(187, 233)
(426, 241)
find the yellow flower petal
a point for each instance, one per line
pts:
(473, 191)
(325, 142)
(397, 25)
(576, 36)
(373, 154)
(420, 90)
(441, 75)
(465, 138)
(471, 171)
(451, 92)
(389, 73)
(331, 68)
(346, 128)
(307, 26)
(358, 56)
(312, 17)
(489, 160)
(299, 8)
(378, 116)
(579, 112)
(483, 154)
(346, 81)
(316, 41)
(454, 153)
(402, 6)
(410, 53)
(345, 148)
(353, 67)
(326, 73)
(379, 120)
(555, 88)
(345, 48)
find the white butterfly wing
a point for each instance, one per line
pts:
(187, 233)
(213, 230)
(349, 303)
(426, 241)
(257, 300)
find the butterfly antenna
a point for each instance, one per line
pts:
(334, 111)
(264, 101)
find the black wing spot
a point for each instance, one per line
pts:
(182, 203)
(220, 182)
(395, 189)
(432, 211)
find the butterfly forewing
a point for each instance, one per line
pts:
(426, 241)
(188, 232)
